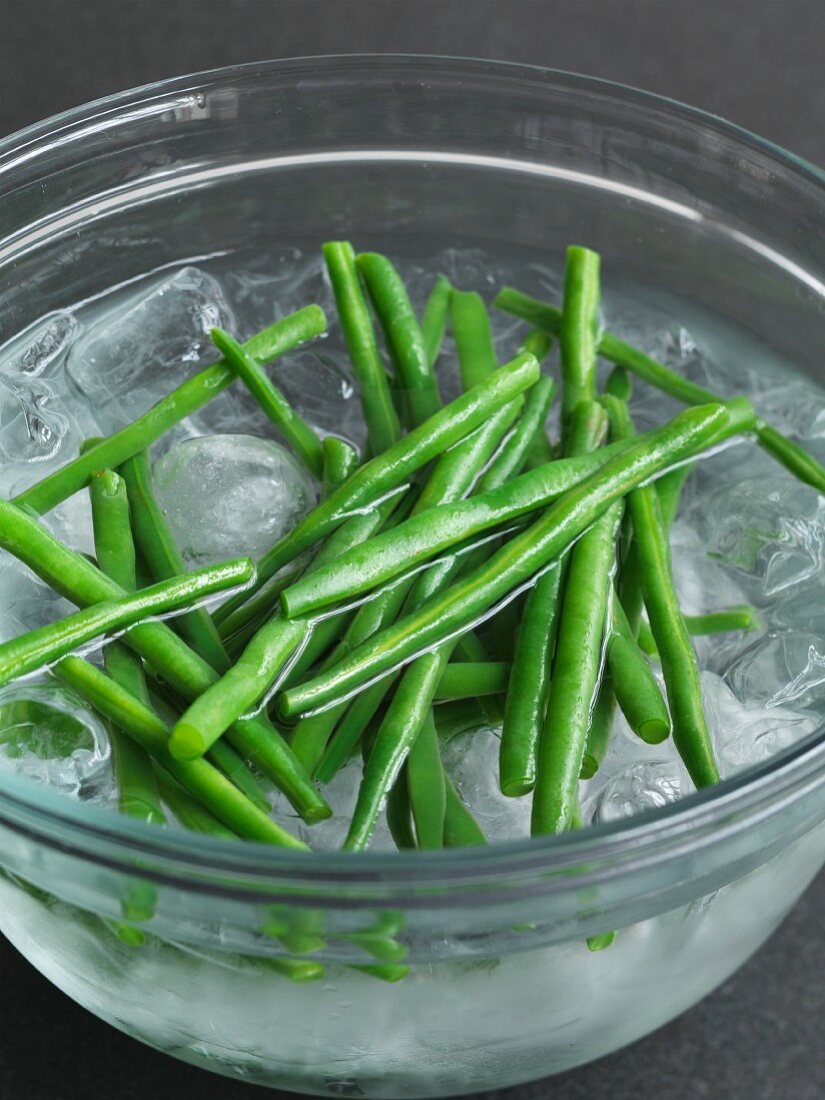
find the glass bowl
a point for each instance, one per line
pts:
(410, 153)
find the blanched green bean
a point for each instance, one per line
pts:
(300, 436)
(115, 552)
(434, 320)
(160, 552)
(579, 330)
(46, 644)
(239, 689)
(524, 554)
(468, 680)
(426, 786)
(521, 442)
(461, 830)
(633, 682)
(793, 457)
(743, 617)
(473, 338)
(576, 674)
(339, 462)
(403, 335)
(192, 395)
(381, 419)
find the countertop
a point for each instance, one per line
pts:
(757, 63)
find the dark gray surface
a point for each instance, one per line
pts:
(759, 64)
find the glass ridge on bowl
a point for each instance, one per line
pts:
(501, 986)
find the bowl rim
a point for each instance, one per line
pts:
(703, 818)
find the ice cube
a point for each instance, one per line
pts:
(329, 835)
(33, 428)
(230, 495)
(141, 350)
(781, 668)
(745, 734)
(638, 788)
(25, 597)
(769, 532)
(471, 761)
(48, 735)
(37, 349)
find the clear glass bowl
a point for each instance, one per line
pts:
(501, 986)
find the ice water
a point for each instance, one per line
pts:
(746, 532)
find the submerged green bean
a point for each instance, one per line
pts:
(579, 330)
(633, 682)
(576, 675)
(427, 787)
(743, 617)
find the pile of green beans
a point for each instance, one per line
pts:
(468, 568)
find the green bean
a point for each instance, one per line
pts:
(526, 698)
(619, 384)
(579, 330)
(403, 335)
(473, 338)
(46, 644)
(189, 812)
(352, 721)
(222, 755)
(668, 487)
(434, 321)
(383, 429)
(576, 675)
(538, 343)
(743, 617)
(378, 477)
(399, 819)
(235, 768)
(522, 556)
(633, 682)
(406, 714)
(385, 972)
(530, 427)
(601, 941)
(451, 719)
(300, 436)
(115, 551)
(73, 576)
(461, 830)
(340, 459)
(199, 778)
(426, 786)
(239, 689)
(182, 402)
(793, 457)
(160, 551)
(297, 970)
(467, 680)
(680, 668)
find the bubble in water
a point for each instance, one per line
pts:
(230, 495)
